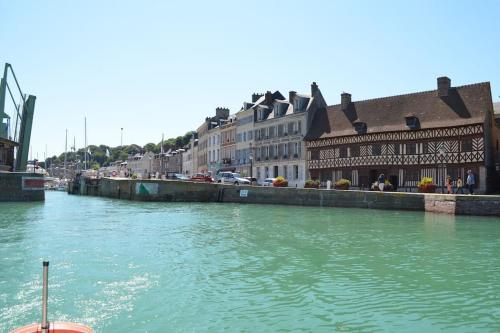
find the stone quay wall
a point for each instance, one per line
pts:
(21, 186)
(183, 191)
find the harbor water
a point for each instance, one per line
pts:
(175, 267)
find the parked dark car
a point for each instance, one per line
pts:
(178, 176)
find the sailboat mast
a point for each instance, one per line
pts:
(85, 152)
(65, 153)
(161, 154)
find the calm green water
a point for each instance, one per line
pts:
(160, 267)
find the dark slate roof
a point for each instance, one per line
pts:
(464, 105)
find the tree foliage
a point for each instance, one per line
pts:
(98, 157)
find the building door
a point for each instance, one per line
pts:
(394, 181)
(373, 176)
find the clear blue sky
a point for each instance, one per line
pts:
(154, 67)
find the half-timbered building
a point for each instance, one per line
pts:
(435, 133)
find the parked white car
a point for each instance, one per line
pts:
(231, 178)
(267, 182)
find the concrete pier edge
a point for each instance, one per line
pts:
(186, 191)
(21, 186)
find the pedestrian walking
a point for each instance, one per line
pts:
(460, 186)
(449, 185)
(471, 181)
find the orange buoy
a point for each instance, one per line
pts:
(56, 327)
(45, 326)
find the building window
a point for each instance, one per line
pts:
(396, 149)
(275, 174)
(285, 171)
(343, 152)
(425, 148)
(412, 122)
(354, 151)
(347, 174)
(266, 170)
(411, 148)
(412, 175)
(271, 132)
(376, 150)
(258, 172)
(280, 130)
(467, 145)
(296, 149)
(295, 172)
(315, 154)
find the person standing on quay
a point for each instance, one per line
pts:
(448, 185)
(381, 182)
(459, 185)
(471, 181)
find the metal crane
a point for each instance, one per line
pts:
(23, 122)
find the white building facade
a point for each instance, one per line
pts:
(141, 165)
(244, 140)
(213, 154)
(279, 130)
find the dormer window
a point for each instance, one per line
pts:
(412, 122)
(280, 109)
(360, 127)
(300, 104)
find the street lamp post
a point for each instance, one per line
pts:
(150, 167)
(441, 157)
(250, 157)
(121, 137)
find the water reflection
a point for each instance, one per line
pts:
(214, 267)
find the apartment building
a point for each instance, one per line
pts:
(206, 146)
(244, 138)
(228, 144)
(279, 130)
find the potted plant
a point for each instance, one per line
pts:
(342, 184)
(388, 186)
(280, 182)
(426, 185)
(311, 184)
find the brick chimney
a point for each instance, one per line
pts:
(269, 97)
(255, 97)
(345, 100)
(444, 85)
(291, 96)
(314, 88)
